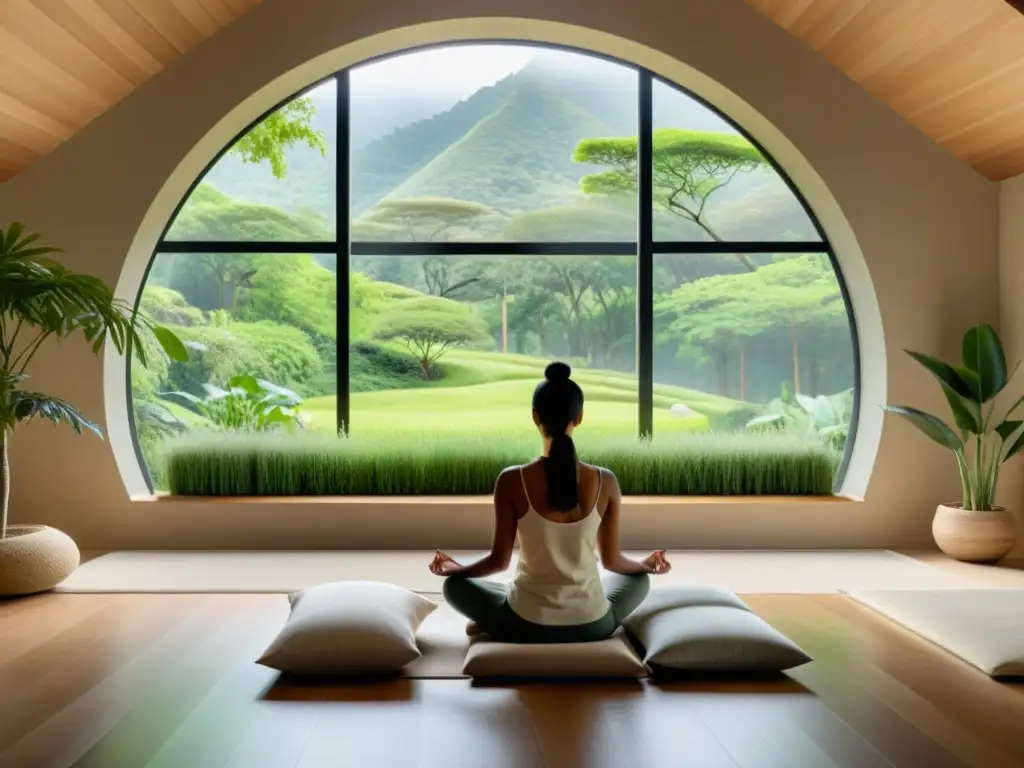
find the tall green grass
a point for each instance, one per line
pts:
(683, 465)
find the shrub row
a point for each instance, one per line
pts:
(685, 465)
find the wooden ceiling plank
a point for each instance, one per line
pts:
(27, 87)
(26, 135)
(241, 6)
(875, 39)
(33, 30)
(97, 18)
(41, 122)
(1005, 166)
(13, 48)
(825, 20)
(197, 16)
(169, 22)
(986, 138)
(63, 13)
(980, 54)
(220, 12)
(979, 105)
(785, 13)
(925, 53)
(140, 30)
(16, 154)
(842, 14)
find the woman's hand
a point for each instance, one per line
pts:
(443, 565)
(657, 563)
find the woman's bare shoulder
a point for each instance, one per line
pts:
(604, 473)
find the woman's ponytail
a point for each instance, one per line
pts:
(558, 402)
(561, 473)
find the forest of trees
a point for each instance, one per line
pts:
(531, 158)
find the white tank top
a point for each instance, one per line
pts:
(557, 581)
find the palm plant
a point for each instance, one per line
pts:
(39, 300)
(982, 441)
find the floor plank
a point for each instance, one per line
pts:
(169, 680)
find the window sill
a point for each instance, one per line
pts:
(646, 501)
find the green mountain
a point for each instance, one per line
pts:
(508, 146)
(517, 158)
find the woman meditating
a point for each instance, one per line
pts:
(563, 512)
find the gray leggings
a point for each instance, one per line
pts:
(486, 603)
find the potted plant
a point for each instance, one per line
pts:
(975, 530)
(40, 300)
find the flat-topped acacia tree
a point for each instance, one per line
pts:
(41, 300)
(689, 167)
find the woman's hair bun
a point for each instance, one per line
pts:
(557, 372)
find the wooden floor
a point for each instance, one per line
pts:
(168, 680)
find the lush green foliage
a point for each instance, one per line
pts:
(263, 349)
(429, 326)
(982, 440)
(517, 161)
(418, 219)
(41, 300)
(727, 313)
(268, 139)
(689, 167)
(373, 367)
(295, 291)
(168, 306)
(403, 464)
(828, 416)
(211, 215)
(245, 404)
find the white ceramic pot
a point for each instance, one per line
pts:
(34, 558)
(972, 536)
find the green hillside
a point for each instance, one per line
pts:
(517, 158)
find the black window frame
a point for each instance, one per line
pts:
(644, 248)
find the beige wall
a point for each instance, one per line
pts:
(927, 227)
(1011, 322)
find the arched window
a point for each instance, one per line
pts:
(405, 245)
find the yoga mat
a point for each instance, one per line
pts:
(744, 571)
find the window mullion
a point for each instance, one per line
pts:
(342, 234)
(645, 256)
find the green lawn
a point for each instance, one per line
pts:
(491, 392)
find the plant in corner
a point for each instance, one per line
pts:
(975, 530)
(41, 300)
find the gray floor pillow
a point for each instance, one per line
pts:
(349, 628)
(690, 634)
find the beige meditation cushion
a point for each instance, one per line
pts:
(700, 628)
(601, 659)
(349, 628)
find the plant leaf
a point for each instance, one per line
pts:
(28, 405)
(933, 427)
(946, 374)
(247, 384)
(172, 345)
(966, 413)
(1015, 448)
(1015, 406)
(1007, 428)
(767, 419)
(983, 355)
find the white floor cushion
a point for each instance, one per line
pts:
(699, 628)
(602, 659)
(349, 628)
(685, 596)
(984, 627)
